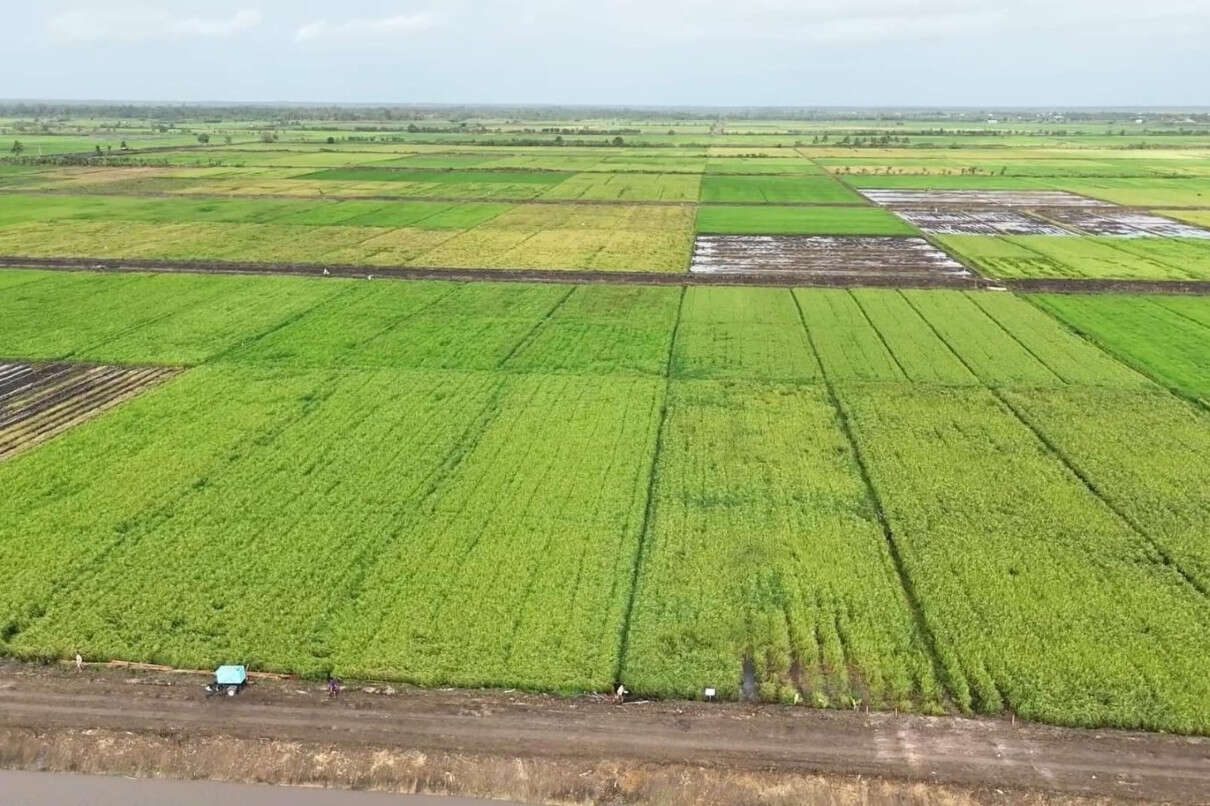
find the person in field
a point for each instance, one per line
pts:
(79, 663)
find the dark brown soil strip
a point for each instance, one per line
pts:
(1037, 285)
(835, 279)
(39, 401)
(86, 190)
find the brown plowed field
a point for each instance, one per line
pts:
(38, 401)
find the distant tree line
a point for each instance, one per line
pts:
(283, 115)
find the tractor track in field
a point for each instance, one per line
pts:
(53, 717)
(830, 279)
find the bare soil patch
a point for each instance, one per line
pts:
(903, 197)
(978, 222)
(1124, 224)
(38, 401)
(889, 257)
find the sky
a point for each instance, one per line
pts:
(633, 52)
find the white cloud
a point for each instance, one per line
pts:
(136, 24)
(196, 26)
(856, 21)
(366, 28)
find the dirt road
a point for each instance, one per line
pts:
(986, 754)
(829, 279)
(839, 277)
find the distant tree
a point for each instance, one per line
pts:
(331, 140)
(268, 137)
(203, 138)
(558, 139)
(18, 147)
(227, 139)
(618, 141)
(123, 146)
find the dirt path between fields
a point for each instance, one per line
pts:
(101, 190)
(832, 278)
(1088, 286)
(542, 748)
(829, 279)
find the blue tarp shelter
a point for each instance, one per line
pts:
(230, 675)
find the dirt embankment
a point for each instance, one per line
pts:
(548, 749)
(838, 278)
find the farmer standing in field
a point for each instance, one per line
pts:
(79, 663)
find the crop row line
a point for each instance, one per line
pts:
(1124, 358)
(901, 572)
(1066, 461)
(652, 479)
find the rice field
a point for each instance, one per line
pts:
(539, 486)
(925, 496)
(393, 196)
